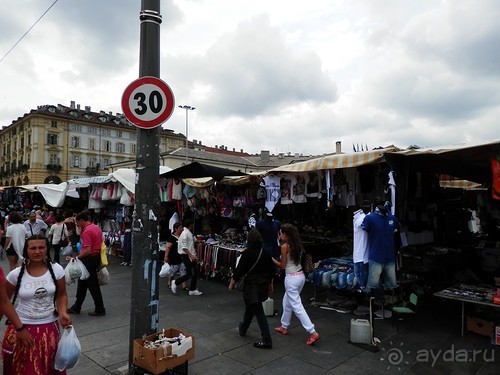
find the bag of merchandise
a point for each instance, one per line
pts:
(103, 276)
(166, 270)
(75, 270)
(68, 350)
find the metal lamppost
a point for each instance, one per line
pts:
(187, 108)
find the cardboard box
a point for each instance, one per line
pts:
(480, 326)
(159, 360)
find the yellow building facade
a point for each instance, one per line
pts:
(52, 144)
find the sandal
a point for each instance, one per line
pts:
(312, 339)
(281, 330)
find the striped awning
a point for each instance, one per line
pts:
(336, 161)
(450, 182)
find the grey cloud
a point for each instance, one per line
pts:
(253, 72)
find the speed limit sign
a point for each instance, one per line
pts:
(148, 102)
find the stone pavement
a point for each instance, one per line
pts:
(431, 345)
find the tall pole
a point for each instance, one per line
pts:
(144, 317)
(187, 108)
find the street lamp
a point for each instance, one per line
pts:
(187, 108)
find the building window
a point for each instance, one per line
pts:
(119, 134)
(53, 159)
(53, 124)
(28, 139)
(91, 144)
(52, 139)
(107, 145)
(92, 161)
(28, 159)
(120, 147)
(91, 130)
(75, 161)
(75, 142)
(106, 132)
(76, 128)
(133, 148)
(22, 143)
(133, 136)
(106, 162)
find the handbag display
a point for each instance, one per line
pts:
(240, 284)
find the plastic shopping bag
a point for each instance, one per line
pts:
(104, 257)
(68, 350)
(103, 276)
(75, 270)
(67, 250)
(166, 270)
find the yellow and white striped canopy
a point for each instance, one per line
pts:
(336, 161)
(450, 182)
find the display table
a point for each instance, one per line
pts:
(468, 293)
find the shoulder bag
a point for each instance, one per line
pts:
(306, 262)
(240, 284)
(64, 240)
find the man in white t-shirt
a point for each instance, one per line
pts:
(360, 245)
(188, 255)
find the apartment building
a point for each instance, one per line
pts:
(52, 144)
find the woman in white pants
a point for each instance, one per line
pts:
(291, 251)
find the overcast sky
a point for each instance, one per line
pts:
(278, 75)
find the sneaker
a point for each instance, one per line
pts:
(123, 263)
(195, 292)
(173, 287)
(129, 264)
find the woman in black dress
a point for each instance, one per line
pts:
(258, 285)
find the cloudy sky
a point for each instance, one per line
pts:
(278, 75)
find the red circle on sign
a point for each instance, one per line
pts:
(148, 102)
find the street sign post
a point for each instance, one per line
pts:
(148, 102)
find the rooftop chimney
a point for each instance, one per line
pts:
(264, 156)
(338, 147)
(72, 105)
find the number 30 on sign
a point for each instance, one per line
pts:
(148, 102)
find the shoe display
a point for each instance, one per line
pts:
(242, 331)
(262, 345)
(281, 330)
(97, 313)
(173, 287)
(312, 339)
(72, 310)
(195, 292)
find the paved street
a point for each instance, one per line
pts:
(213, 319)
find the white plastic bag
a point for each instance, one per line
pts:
(68, 350)
(75, 270)
(67, 250)
(103, 276)
(166, 270)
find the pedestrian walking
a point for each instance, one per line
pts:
(258, 267)
(90, 255)
(291, 252)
